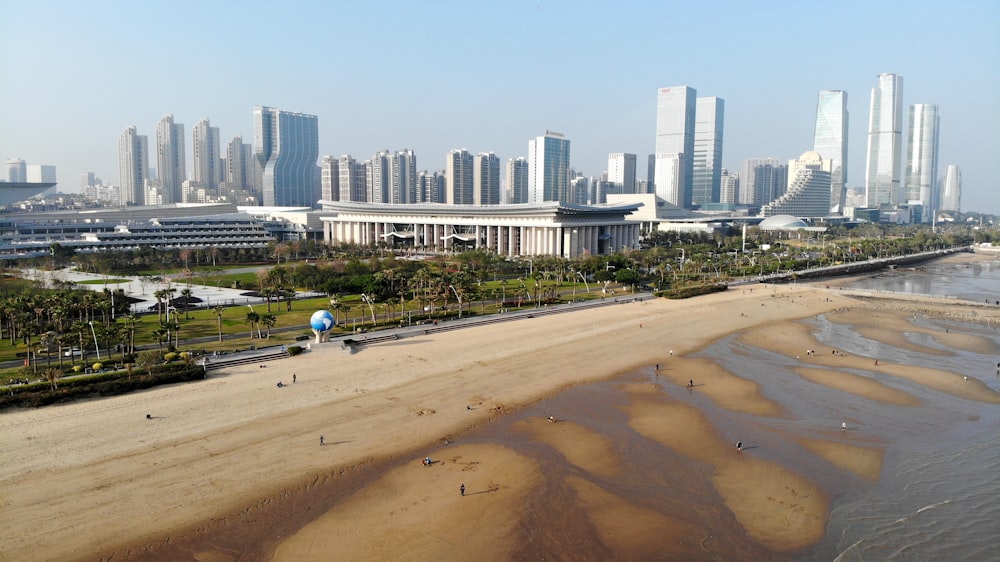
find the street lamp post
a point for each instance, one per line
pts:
(459, 297)
(97, 346)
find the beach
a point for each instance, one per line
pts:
(233, 467)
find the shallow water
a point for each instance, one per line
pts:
(975, 281)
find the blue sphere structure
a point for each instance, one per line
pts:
(321, 321)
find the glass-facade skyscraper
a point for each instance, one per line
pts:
(883, 169)
(951, 196)
(706, 181)
(675, 131)
(548, 168)
(830, 141)
(286, 147)
(922, 158)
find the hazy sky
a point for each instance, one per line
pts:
(489, 75)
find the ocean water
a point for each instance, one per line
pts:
(977, 281)
(938, 495)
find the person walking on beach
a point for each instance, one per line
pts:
(739, 446)
(691, 383)
(843, 426)
(321, 440)
(461, 490)
(294, 378)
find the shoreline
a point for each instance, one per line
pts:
(235, 451)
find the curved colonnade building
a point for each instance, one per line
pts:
(551, 228)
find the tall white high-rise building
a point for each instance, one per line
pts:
(353, 179)
(762, 180)
(706, 181)
(42, 173)
(431, 186)
(486, 179)
(170, 159)
(133, 166)
(207, 168)
(548, 168)
(674, 154)
(17, 170)
(922, 158)
(378, 171)
(621, 172)
(730, 185)
(459, 178)
(517, 181)
(883, 169)
(330, 179)
(951, 193)
(403, 183)
(239, 164)
(830, 141)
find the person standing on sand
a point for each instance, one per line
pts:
(294, 378)
(739, 446)
(843, 426)
(461, 490)
(321, 440)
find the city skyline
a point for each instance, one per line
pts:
(77, 101)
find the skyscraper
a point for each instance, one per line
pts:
(459, 176)
(922, 158)
(353, 180)
(403, 183)
(951, 195)
(239, 167)
(378, 171)
(286, 146)
(517, 181)
(133, 166)
(675, 127)
(486, 179)
(706, 179)
(17, 170)
(170, 159)
(330, 179)
(621, 172)
(431, 186)
(205, 145)
(830, 141)
(762, 180)
(548, 168)
(885, 143)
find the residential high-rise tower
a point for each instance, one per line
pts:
(621, 172)
(207, 169)
(486, 179)
(517, 181)
(171, 165)
(133, 166)
(459, 177)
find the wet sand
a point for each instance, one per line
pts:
(232, 466)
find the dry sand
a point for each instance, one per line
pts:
(97, 479)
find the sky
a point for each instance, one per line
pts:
(432, 76)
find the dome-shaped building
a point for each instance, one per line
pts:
(782, 222)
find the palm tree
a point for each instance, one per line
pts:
(253, 318)
(269, 320)
(53, 376)
(186, 293)
(218, 313)
(159, 334)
